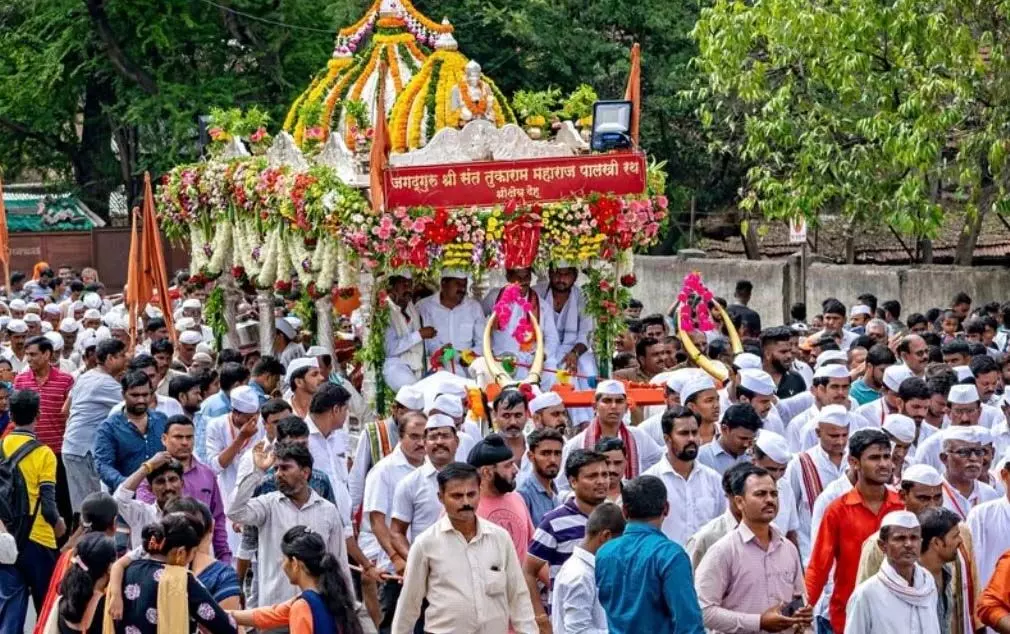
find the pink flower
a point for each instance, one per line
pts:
(258, 135)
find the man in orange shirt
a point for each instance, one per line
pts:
(849, 520)
(994, 604)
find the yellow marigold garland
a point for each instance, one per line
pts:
(369, 15)
(394, 68)
(425, 21)
(417, 114)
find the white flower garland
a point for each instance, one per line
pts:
(328, 251)
(196, 240)
(346, 273)
(268, 271)
(222, 247)
(284, 269)
(301, 259)
(252, 242)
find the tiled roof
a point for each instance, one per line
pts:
(31, 208)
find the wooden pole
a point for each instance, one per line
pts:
(690, 229)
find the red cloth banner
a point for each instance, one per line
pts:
(489, 183)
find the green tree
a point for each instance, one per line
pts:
(865, 109)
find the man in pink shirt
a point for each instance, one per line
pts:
(751, 580)
(499, 503)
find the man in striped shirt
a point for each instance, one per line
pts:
(53, 387)
(564, 528)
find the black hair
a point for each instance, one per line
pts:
(207, 378)
(456, 471)
(177, 419)
(742, 415)
(174, 530)
(292, 427)
(622, 360)
(777, 334)
(672, 414)
(614, 443)
(955, 346)
(44, 344)
(328, 396)
(893, 307)
(863, 439)
(232, 374)
(580, 458)
(298, 374)
(983, 364)
(162, 346)
(913, 388)
(268, 365)
(974, 326)
(826, 343)
(140, 362)
(906, 343)
(914, 319)
(309, 548)
(879, 355)
(655, 319)
(296, 453)
(180, 384)
(154, 323)
(976, 349)
(635, 326)
(717, 347)
(734, 481)
(644, 498)
(869, 300)
(196, 509)
(509, 398)
(274, 406)
(134, 378)
(862, 341)
(98, 512)
(107, 348)
(538, 436)
(935, 523)
(606, 517)
(933, 314)
(634, 303)
(798, 311)
(833, 307)
(94, 554)
(24, 407)
(961, 298)
(229, 355)
(171, 465)
(744, 286)
(643, 345)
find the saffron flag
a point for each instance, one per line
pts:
(633, 92)
(146, 275)
(379, 155)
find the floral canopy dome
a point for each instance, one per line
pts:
(425, 105)
(390, 44)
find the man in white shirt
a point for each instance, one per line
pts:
(831, 387)
(757, 388)
(964, 410)
(547, 410)
(404, 336)
(694, 491)
(675, 382)
(328, 446)
(771, 452)
(902, 596)
(458, 320)
(989, 524)
(17, 334)
(286, 347)
(164, 476)
(449, 405)
(961, 456)
(564, 304)
(812, 470)
(874, 412)
(575, 606)
(503, 337)
(375, 539)
(465, 567)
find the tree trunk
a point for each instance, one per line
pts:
(925, 250)
(750, 239)
(973, 226)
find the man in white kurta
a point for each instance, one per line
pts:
(403, 340)
(503, 339)
(810, 471)
(456, 318)
(902, 596)
(961, 456)
(831, 387)
(874, 412)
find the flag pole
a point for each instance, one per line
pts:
(6, 246)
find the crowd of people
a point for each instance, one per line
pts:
(849, 476)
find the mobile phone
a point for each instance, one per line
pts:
(790, 608)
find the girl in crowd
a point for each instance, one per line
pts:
(160, 595)
(219, 579)
(326, 604)
(81, 603)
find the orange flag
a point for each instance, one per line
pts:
(633, 92)
(132, 294)
(5, 243)
(379, 156)
(152, 258)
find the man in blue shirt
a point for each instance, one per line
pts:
(644, 578)
(126, 439)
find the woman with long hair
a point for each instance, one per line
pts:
(219, 579)
(82, 591)
(326, 604)
(160, 594)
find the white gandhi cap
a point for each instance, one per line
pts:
(835, 415)
(963, 394)
(244, 400)
(901, 519)
(757, 381)
(901, 427)
(545, 400)
(894, 375)
(774, 446)
(922, 474)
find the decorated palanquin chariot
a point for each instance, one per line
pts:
(401, 155)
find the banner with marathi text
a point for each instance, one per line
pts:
(485, 184)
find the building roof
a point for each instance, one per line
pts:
(30, 208)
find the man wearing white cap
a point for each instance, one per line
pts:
(812, 470)
(964, 409)
(228, 439)
(52, 314)
(34, 323)
(548, 411)
(961, 455)
(405, 362)
(736, 434)
(675, 382)
(188, 341)
(92, 319)
(611, 405)
(901, 430)
(17, 308)
(193, 308)
(701, 396)
(450, 405)
(831, 387)
(902, 596)
(17, 331)
(444, 383)
(564, 305)
(858, 316)
(989, 524)
(379, 438)
(286, 347)
(503, 339)
(876, 411)
(458, 320)
(376, 539)
(69, 330)
(771, 453)
(694, 492)
(756, 388)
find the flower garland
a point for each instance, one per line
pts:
(694, 299)
(477, 108)
(605, 304)
(503, 311)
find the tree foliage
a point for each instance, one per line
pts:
(865, 108)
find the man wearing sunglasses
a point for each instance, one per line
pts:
(961, 456)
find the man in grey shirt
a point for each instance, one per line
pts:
(93, 396)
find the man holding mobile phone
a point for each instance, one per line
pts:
(734, 590)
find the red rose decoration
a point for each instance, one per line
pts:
(628, 280)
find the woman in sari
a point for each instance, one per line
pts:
(160, 595)
(325, 605)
